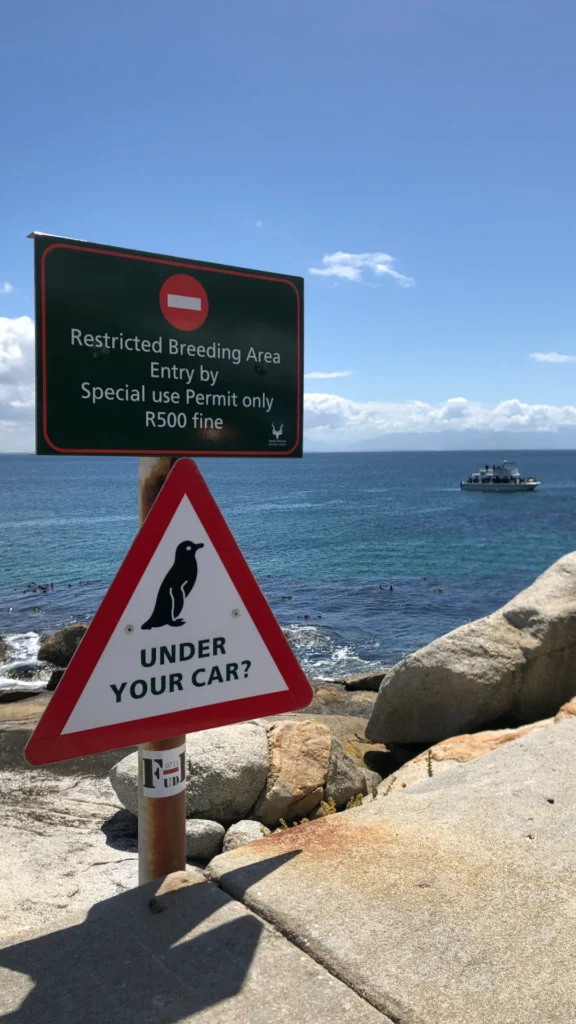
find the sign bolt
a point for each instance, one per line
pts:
(236, 613)
(129, 630)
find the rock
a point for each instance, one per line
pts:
(333, 699)
(3, 650)
(203, 839)
(567, 710)
(371, 681)
(124, 780)
(373, 780)
(244, 832)
(226, 767)
(55, 678)
(227, 770)
(9, 696)
(345, 779)
(373, 758)
(299, 763)
(27, 670)
(457, 751)
(60, 646)
(512, 667)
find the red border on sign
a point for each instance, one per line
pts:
(163, 451)
(49, 744)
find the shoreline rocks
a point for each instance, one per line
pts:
(455, 753)
(366, 681)
(334, 699)
(260, 771)
(59, 648)
(512, 667)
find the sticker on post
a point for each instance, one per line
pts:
(163, 772)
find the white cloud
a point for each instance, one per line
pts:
(6, 288)
(320, 375)
(353, 267)
(329, 418)
(551, 357)
(16, 382)
(333, 420)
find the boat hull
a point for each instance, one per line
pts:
(508, 488)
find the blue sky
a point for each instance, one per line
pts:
(436, 133)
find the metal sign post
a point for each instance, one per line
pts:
(162, 817)
(162, 357)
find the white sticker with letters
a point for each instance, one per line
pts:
(164, 772)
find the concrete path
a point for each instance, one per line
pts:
(194, 956)
(451, 902)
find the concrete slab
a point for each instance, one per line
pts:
(451, 902)
(194, 955)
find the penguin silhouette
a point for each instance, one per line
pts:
(175, 587)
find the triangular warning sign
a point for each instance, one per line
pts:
(184, 639)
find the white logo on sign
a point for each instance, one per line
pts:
(181, 643)
(278, 441)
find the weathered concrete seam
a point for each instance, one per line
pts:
(388, 1016)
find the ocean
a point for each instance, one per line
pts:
(363, 557)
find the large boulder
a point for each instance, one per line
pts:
(59, 647)
(514, 666)
(227, 770)
(299, 762)
(124, 779)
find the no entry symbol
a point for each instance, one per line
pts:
(184, 302)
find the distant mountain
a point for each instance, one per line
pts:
(470, 440)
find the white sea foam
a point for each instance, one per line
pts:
(322, 655)
(22, 654)
(23, 646)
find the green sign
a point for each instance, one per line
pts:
(139, 354)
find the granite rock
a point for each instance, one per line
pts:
(299, 762)
(226, 771)
(515, 666)
(59, 647)
(345, 779)
(244, 832)
(203, 839)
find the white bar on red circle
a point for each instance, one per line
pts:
(184, 302)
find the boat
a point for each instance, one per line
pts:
(504, 477)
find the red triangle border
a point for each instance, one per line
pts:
(48, 744)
